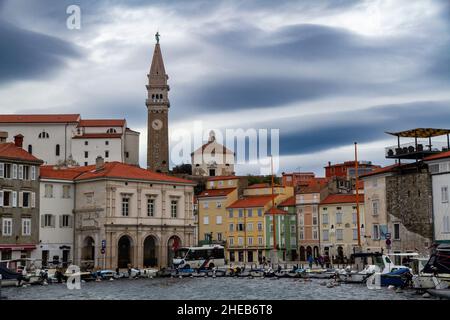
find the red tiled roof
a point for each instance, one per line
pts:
(125, 171)
(215, 192)
(274, 210)
(52, 172)
(99, 136)
(102, 123)
(36, 118)
(10, 151)
(380, 170)
(315, 185)
(262, 185)
(342, 198)
(288, 202)
(217, 178)
(441, 155)
(251, 202)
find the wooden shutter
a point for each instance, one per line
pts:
(42, 221)
(61, 219)
(2, 170)
(70, 221)
(33, 173)
(1, 198)
(53, 222)
(33, 200)
(21, 172)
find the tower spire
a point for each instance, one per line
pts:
(158, 108)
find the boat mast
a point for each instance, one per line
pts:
(357, 195)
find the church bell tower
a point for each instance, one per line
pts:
(158, 111)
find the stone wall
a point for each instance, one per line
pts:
(409, 202)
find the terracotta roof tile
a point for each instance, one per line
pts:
(381, 170)
(125, 171)
(102, 123)
(314, 185)
(10, 151)
(36, 118)
(342, 198)
(262, 185)
(441, 155)
(52, 172)
(288, 202)
(274, 210)
(251, 202)
(215, 193)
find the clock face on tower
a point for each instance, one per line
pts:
(157, 124)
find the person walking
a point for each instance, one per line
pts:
(310, 261)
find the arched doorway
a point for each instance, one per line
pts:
(88, 253)
(172, 245)
(316, 252)
(302, 253)
(150, 259)
(308, 252)
(340, 254)
(124, 252)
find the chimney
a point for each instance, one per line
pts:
(3, 136)
(18, 140)
(99, 163)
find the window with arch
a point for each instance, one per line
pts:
(44, 135)
(58, 150)
(111, 130)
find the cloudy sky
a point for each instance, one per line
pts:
(325, 72)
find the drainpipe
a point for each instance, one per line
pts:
(65, 143)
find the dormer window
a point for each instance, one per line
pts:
(44, 135)
(111, 130)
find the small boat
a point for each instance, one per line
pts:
(164, 273)
(440, 293)
(399, 278)
(9, 277)
(375, 263)
(220, 273)
(199, 274)
(149, 273)
(105, 274)
(437, 266)
(257, 273)
(319, 274)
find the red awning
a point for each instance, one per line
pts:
(17, 247)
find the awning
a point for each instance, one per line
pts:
(420, 133)
(17, 247)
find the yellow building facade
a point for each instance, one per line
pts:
(212, 203)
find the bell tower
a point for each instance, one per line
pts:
(158, 111)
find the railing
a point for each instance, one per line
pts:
(409, 148)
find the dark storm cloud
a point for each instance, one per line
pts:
(399, 64)
(28, 55)
(343, 128)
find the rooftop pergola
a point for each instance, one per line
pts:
(417, 150)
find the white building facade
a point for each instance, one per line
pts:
(439, 167)
(57, 201)
(66, 138)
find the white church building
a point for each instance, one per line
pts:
(66, 138)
